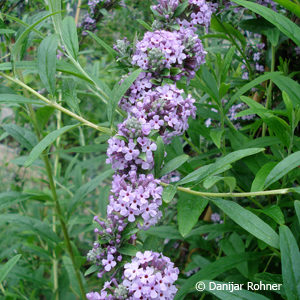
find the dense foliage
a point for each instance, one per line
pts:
(149, 148)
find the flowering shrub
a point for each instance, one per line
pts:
(176, 132)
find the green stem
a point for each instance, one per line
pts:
(57, 106)
(232, 195)
(193, 146)
(63, 224)
(270, 87)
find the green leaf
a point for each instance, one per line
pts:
(288, 85)
(46, 142)
(169, 193)
(119, 92)
(297, 209)
(260, 177)
(275, 213)
(211, 84)
(8, 199)
(181, 8)
(128, 249)
(47, 62)
(216, 135)
(248, 221)
(108, 48)
(189, 208)
(212, 270)
(228, 29)
(144, 24)
(6, 31)
(159, 155)
(19, 43)
(289, 106)
(290, 263)
(88, 188)
(24, 136)
(282, 168)
(5, 269)
(208, 170)
(174, 164)
(69, 36)
(72, 275)
(217, 289)
(29, 223)
(12, 98)
(91, 269)
(227, 63)
(285, 25)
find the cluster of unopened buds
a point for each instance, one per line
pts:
(154, 108)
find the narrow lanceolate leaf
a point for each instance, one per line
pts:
(46, 142)
(13, 99)
(249, 221)
(8, 199)
(261, 175)
(22, 135)
(189, 209)
(290, 263)
(5, 269)
(47, 62)
(169, 193)
(69, 36)
(72, 275)
(285, 166)
(174, 164)
(206, 171)
(108, 48)
(119, 91)
(19, 43)
(297, 208)
(285, 25)
(159, 155)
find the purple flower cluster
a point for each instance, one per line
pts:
(162, 108)
(163, 49)
(135, 196)
(130, 154)
(150, 275)
(202, 12)
(199, 13)
(104, 252)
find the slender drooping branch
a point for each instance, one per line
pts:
(232, 195)
(57, 106)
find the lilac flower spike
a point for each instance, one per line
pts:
(163, 49)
